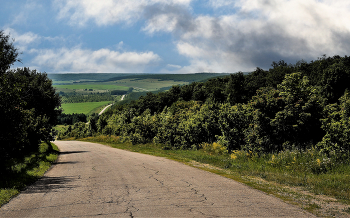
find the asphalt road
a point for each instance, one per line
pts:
(92, 180)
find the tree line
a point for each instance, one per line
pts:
(29, 107)
(69, 119)
(289, 106)
(80, 98)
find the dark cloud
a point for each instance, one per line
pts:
(256, 32)
(180, 13)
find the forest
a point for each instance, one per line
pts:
(288, 107)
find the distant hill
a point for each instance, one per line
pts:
(63, 78)
(176, 77)
(105, 77)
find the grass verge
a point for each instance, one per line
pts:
(324, 194)
(27, 171)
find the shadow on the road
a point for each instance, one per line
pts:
(72, 152)
(46, 184)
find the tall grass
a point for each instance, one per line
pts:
(309, 169)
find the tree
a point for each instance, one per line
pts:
(286, 117)
(235, 89)
(299, 121)
(29, 106)
(337, 127)
(8, 53)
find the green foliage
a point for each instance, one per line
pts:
(214, 148)
(28, 107)
(331, 74)
(80, 98)
(8, 53)
(232, 121)
(85, 107)
(118, 92)
(308, 161)
(69, 119)
(284, 108)
(23, 172)
(29, 111)
(337, 127)
(287, 117)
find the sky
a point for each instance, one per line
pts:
(173, 36)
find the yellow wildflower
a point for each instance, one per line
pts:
(233, 156)
(318, 162)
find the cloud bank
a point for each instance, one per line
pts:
(248, 34)
(211, 35)
(100, 61)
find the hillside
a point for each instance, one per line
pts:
(288, 106)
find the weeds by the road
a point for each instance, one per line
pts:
(304, 178)
(27, 171)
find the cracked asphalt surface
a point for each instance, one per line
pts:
(93, 180)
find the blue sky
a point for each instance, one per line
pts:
(173, 36)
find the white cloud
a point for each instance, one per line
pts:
(161, 22)
(25, 41)
(22, 40)
(174, 66)
(25, 12)
(221, 3)
(107, 12)
(248, 34)
(264, 31)
(103, 60)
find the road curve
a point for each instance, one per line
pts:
(91, 180)
(103, 110)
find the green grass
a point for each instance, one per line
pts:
(85, 108)
(302, 185)
(94, 86)
(149, 84)
(98, 109)
(25, 172)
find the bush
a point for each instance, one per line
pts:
(337, 126)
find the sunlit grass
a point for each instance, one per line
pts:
(94, 86)
(27, 171)
(85, 107)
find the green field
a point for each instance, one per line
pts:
(149, 84)
(85, 108)
(107, 82)
(80, 84)
(124, 84)
(94, 86)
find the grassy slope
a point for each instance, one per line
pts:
(85, 108)
(26, 172)
(94, 86)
